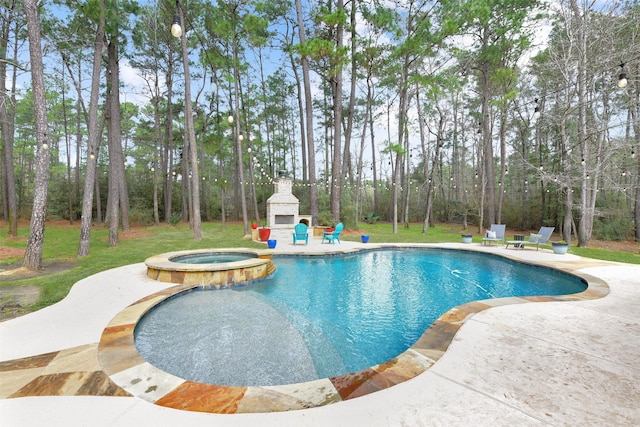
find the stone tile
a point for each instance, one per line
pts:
(84, 359)
(70, 384)
(146, 381)
(361, 383)
(436, 337)
(39, 361)
(408, 365)
(12, 381)
(289, 397)
(192, 396)
(131, 314)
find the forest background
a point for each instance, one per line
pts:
(473, 112)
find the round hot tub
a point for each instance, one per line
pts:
(210, 267)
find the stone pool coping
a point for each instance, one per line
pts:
(120, 360)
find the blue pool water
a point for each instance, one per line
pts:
(321, 317)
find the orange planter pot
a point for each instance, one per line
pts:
(264, 234)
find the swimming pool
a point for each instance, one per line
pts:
(321, 317)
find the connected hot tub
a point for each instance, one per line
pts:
(210, 267)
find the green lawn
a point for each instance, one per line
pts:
(61, 245)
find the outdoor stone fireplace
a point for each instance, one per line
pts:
(282, 206)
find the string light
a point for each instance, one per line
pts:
(176, 28)
(622, 78)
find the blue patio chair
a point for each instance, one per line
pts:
(300, 232)
(332, 236)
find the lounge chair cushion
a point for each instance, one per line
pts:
(535, 238)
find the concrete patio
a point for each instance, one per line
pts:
(560, 363)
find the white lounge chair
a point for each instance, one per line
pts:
(537, 239)
(496, 234)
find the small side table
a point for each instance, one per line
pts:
(518, 237)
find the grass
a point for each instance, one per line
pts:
(61, 245)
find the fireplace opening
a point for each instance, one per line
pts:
(284, 219)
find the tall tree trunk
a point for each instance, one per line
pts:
(67, 141)
(118, 197)
(402, 118)
(360, 169)
(566, 168)
(301, 117)
(7, 130)
(582, 119)
(236, 80)
(157, 145)
(634, 108)
(190, 138)
(374, 165)
(503, 162)
(93, 144)
(347, 166)
(33, 252)
(489, 177)
(337, 122)
(308, 103)
(168, 152)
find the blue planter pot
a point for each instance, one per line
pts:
(364, 238)
(271, 243)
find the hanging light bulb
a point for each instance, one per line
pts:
(230, 118)
(176, 28)
(536, 111)
(92, 156)
(622, 78)
(45, 146)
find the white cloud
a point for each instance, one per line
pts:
(135, 88)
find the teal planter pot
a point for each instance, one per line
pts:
(559, 248)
